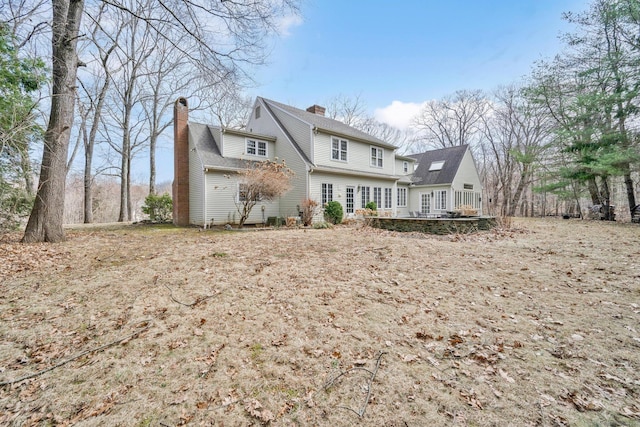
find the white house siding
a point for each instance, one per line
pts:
(415, 198)
(340, 184)
(358, 155)
(299, 130)
(400, 167)
(235, 147)
(196, 185)
(467, 174)
(403, 211)
(221, 195)
(284, 150)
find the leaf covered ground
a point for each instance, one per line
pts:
(537, 324)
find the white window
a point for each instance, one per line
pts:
(440, 200)
(376, 157)
(425, 203)
(402, 197)
(350, 199)
(339, 149)
(387, 198)
(468, 186)
(436, 166)
(366, 194)
(377, 197)
(327, 193)
(256, 148)
(405, 167)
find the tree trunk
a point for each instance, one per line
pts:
(45, 221)
(88, 182)
(631, 196)
(152, 163)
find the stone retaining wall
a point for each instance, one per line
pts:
(434, 226)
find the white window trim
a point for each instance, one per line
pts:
(405, 166)
(437, 200)
(326, 187)
(388, 198)
(256, 148)
(402, 199)
(379, 156)
(336, 138)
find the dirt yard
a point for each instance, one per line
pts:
(537, 324)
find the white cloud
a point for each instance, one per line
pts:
(399, 114)
(286, 23)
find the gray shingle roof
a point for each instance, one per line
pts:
(208, 149)
(329, 125)
(452, 156)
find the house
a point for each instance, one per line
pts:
(445, 180)
(331, 161)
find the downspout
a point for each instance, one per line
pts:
(204, 197)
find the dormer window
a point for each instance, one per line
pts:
(376, 156)
(339, 149)
(436, 166)
(256, 148)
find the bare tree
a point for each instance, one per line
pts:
(224, 38)
(261, 182)
(45, 221)
(515, 135)
(453, 120)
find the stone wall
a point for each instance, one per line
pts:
(434, 226)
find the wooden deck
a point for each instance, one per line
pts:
(434, 225)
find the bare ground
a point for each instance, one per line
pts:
(537, 324)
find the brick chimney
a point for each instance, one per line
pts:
(180, 186)
(316, 109)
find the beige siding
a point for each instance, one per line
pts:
(400, 165)
(358, 155)
(340, 184)
(415, 197)
(467, 174)
(221, 195)
(299, 130)
(235, 147)
(196, 202)
(404, 211)
(284, 150)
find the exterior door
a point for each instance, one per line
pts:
(425, 203)
(350, 199)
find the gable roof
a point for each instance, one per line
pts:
(328, 125)
(451, 156)
(209, 151)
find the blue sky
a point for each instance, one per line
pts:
(409, 51)
(399, 54)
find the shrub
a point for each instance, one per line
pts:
(159, 208)
(333, 212)
(15, 205)
(309, 208)
(371, 205)
(321, 225)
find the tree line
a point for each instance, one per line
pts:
(115, 67)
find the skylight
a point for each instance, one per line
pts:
(436, 166)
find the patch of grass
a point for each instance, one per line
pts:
(256, 351)
(219, 254)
